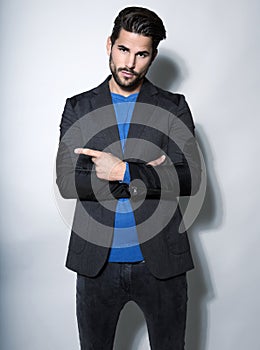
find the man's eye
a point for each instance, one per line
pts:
(143, 55)
(122, 49)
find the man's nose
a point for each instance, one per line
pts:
(130, 63)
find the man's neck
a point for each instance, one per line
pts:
(116, 89)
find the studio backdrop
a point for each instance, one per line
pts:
(51, 50)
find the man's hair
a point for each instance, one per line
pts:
(142, 21)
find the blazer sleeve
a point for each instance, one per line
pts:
(76, 177)
(180, 174)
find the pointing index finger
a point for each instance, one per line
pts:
(87, 152)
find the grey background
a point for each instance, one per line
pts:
(52, 50)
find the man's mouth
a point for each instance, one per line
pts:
(127, 74)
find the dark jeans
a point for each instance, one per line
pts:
(100, 300)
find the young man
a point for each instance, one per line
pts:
(127, 150)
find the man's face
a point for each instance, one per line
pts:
(129, 59)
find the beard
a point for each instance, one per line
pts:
(126, 84)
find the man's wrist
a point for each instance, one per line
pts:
(121, 168)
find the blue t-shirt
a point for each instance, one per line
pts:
(125, 246)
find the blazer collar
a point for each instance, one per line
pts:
(103, 96)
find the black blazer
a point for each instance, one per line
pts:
(161, 124)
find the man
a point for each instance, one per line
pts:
(126, 153)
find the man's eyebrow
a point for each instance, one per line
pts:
(145, 52)
(123, 47)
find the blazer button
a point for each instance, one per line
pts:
(133, 190)
(137, 189)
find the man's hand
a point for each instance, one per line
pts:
(108, 167)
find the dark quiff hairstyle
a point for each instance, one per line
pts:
(142, 21)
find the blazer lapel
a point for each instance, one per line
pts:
(144, 109)
(105, 118)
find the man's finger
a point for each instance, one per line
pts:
(157, 161)
(87, 152)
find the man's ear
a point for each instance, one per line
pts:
(109, 45)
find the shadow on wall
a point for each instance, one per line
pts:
(168, 71)
(201, 289)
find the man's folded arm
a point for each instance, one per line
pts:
(180, 174)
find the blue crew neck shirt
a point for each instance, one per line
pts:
(125, 246)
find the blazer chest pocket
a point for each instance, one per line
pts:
(76, 244)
